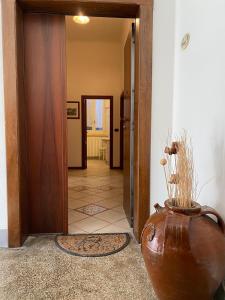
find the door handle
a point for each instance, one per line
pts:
(125, 120)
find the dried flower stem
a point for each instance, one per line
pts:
(184, 168)
(180, 180)
(167, 185)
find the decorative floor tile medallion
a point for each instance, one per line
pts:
(91, 209)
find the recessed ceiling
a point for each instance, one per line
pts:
(98, 29)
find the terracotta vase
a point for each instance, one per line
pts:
(184, 252)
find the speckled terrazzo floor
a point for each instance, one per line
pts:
(42, 271)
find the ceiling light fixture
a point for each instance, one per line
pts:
(81, 19)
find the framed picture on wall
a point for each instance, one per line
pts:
(73, 110)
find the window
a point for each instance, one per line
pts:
(98, 117)
(89, 115)
(99, 111)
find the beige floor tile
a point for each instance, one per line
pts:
(117, 198)
(120, 192)
(73, 229)
(77, 181)
(80, 188)
(112, 229)
(71, 184)
(75, 216)
(111, 216)
(109, 203)
(118, 209)
(122, 224)
(73, 203)
(91, 198)
(109, 194)
(75, 195)
(91, 224)
(93, 191)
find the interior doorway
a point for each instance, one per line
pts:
(97, 129)
(16, 127)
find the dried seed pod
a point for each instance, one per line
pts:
(174, 179)
(168, 150)
(163, 162)
(174, 147)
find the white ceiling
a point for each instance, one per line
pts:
(98, 29)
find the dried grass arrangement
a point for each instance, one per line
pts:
(179, 172)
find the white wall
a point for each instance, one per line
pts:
(162, 93)
(189, 91)
(3, 194)
(200, 92)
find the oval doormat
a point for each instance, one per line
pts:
(93, 245)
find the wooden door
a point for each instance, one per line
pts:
(45, 102)
(127, 126)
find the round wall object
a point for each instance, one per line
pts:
(185, 41)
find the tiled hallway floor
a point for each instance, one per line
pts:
(95, 200)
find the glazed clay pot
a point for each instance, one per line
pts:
(184, 252)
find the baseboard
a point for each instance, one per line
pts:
(4, 238)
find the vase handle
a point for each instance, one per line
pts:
(152, 231)
(158, 207)
(206, 210)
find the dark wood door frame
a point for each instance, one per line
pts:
(83, 133)
(84, 98)
(12, 22)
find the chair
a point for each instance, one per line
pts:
(102, 151)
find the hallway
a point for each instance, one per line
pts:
(95, 200)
